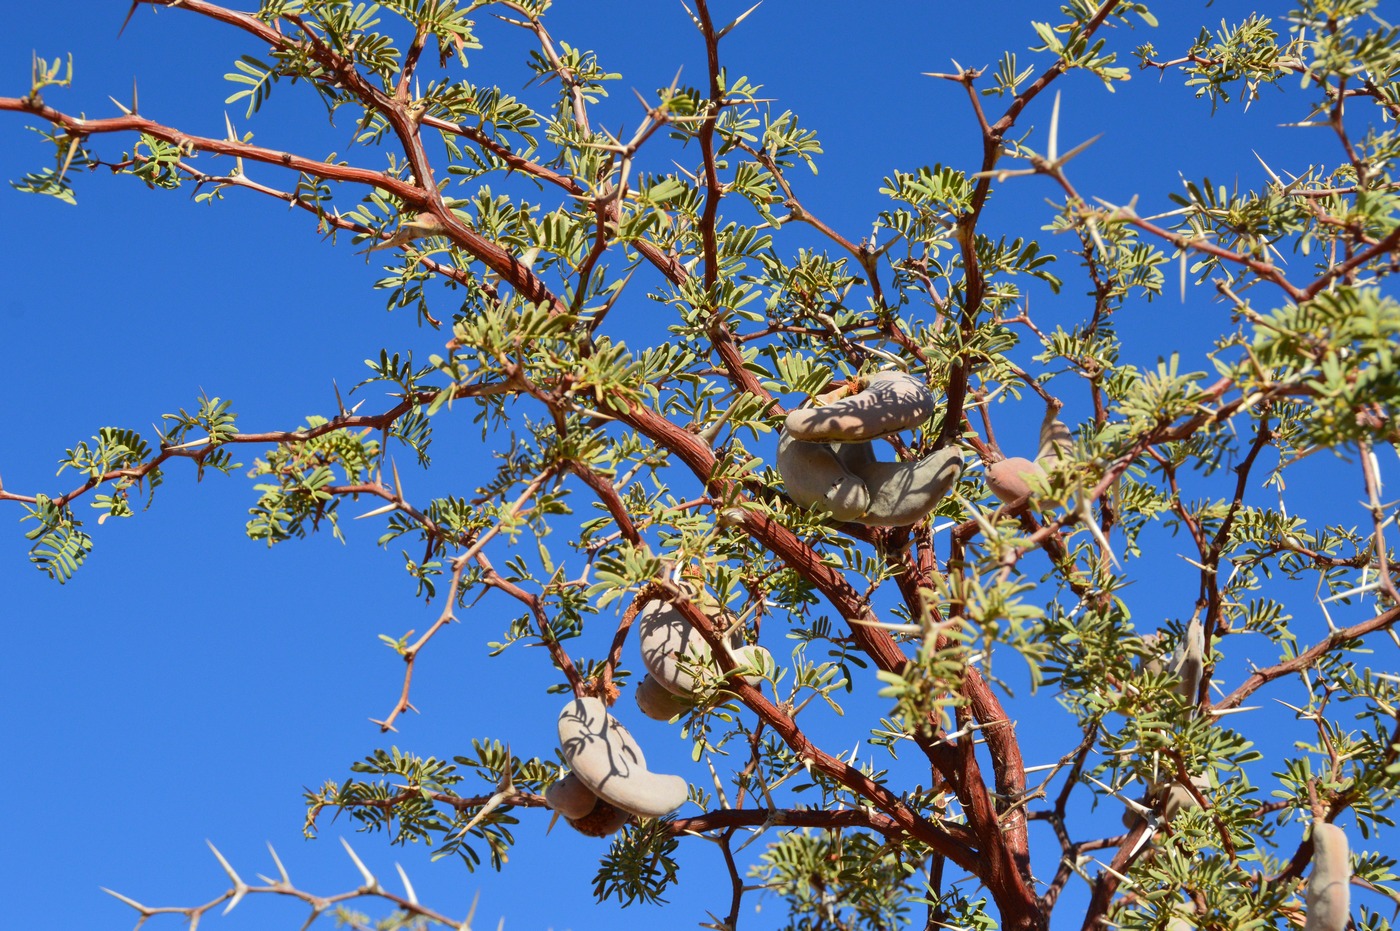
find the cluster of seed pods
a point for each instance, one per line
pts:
(1012, 479)
(673, 652)
(827, 460)
(609, 781)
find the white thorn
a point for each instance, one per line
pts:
(121, 898)
(391, 506)
(408, 886)
(370, 882)
(471, 913)
(239, 887)
(281, 870)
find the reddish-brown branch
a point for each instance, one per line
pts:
(1304, 660)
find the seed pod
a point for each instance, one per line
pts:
(607, 760)
(903, 493)
(1189, 661)
(603, 820)
(1329, 885)
(570, 797)
(1009, 479)
(1179, 798)
(816, 478)
(672, 649)
(657, 703)
(1055, 440)
(890, 402)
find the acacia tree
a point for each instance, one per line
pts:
(556, 238)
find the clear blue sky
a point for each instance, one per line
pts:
(188, 682)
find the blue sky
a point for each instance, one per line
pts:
(188, 682)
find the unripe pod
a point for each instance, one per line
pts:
(1179, 797)
(890, 402)
(1329, 885)
(1055, 440)
(1009, 479)
(827, 462)
(902, 493)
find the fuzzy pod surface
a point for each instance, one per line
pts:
(1189, 661)
(1329, 885)
(672, 649)
(903, 493)
(570, 797)
(658, 703)
(1009, 479)
(890, 402)
(1056, 442)
(816, 477)
(608, 760)
(603, 820)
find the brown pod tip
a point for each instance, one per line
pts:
(603, 820)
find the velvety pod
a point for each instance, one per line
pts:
(1055, 440)
(671, 648)
(1170, 797)
(901, 493)
(848, 482)
(603, 820)
(606, 759)
(584, 811)
(657, 703)
(816, 477)
(889, 403)
(1189, 661)
(1329, 884)
(570, 797)
(1010, 479)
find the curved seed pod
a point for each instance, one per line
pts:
(672, 649)
(1180, 798)
(608, 761)
(891, 401)
(570, 797)
(1189, 661)
(603, 820)
(657, 703)
(1009, 479)
(1329, 885)
(1055, 440)
(815, 476)
(903, 493)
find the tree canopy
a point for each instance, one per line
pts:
(1071, 517)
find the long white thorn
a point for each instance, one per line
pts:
(132, 902)
(407, 886)
(281, 870)
(239, 886)
(371, 883)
